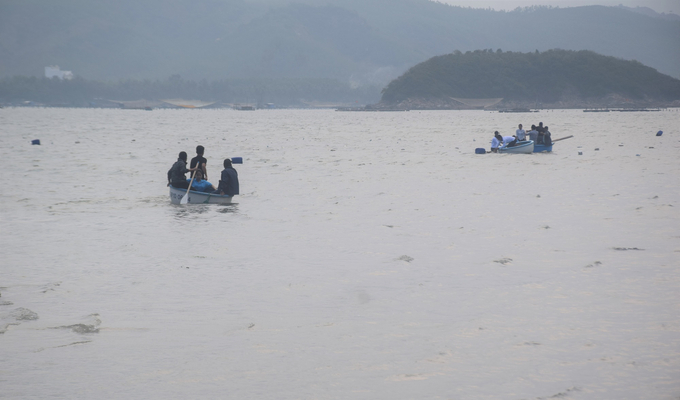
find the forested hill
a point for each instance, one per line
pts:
(555, 78)
(357, 41)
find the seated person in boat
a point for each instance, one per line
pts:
(496, 141)
(229, 180)
(521, 133)
(177, 173)
(533, 133)
(201, 185)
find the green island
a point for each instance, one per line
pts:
(487, 79)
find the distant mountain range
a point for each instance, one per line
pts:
(358, 41)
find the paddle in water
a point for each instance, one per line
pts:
(185, 198)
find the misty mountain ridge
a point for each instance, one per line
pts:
(365, 42)
(651, 13)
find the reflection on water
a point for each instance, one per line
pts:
(228, 208)
(188, 210)
(183, 211)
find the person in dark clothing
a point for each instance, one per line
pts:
(176, 174)
(541, 133)
(200, 160)
(547, 137)
(229, 180)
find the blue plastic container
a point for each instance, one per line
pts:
(480, 150)
(237, 160)
(35, 141)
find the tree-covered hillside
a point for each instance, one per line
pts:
(548, 78)
(356, 41)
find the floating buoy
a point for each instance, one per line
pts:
(237, 160)
(659, 133)
(35, 141)
(480, 150)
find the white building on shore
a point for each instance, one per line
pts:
(52, 71)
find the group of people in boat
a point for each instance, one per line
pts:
(538, 133)
(228, 185)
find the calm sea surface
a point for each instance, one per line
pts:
(370, 256)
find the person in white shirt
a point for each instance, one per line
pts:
(496, 141)
(521, 133)
(509, 141)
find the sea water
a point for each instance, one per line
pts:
(368, 256)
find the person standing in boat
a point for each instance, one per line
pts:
(547, 136)
(521, 133)
(533, 133)
(496, 141)
(200, 184)
(229, 180)
(200, 160)
(541, 133)
(177, 173)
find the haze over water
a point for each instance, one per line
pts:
(370, 256)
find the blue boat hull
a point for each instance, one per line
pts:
(538, 148)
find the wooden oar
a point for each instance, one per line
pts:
(185, 198)
(566, 137)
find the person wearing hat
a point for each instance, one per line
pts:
(229, 183)
(177, 173)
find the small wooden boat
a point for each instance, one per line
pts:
(523, 147)
(197, 197)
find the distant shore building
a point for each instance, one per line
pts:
(52, 71)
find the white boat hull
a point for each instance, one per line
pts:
(197, 197)
(525, 147)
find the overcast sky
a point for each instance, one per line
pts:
(657, 5)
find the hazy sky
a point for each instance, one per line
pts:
(656, 5)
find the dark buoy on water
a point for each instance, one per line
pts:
(659, 133)
(480, 150)
(35, 141)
